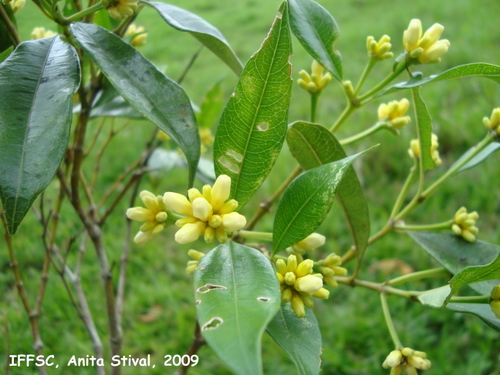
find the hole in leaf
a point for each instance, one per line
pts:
(228, 164)
(197, 302)
(209, 287)
(263, 126)
(213, 323)
(263, 299)
(235, 155)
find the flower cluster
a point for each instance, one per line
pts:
(154, 215)
(315, 82)
(192, 264)
(406, 359)
(119, 9)
(426, 49)
(495, 300)
(332, 268)
(17, 5)
(394, 112)
(138, 35)
(308, 244)
(379, 50)
(209, 212)
(464, 224)
(414, 150)
(298, 284)
(493, 123)
(40, 33)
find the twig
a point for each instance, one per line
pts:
(10, 26)
(189, 65)
(198, 342)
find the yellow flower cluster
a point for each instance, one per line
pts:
(209, 212)
(426, 49)
(493, 123)
(154, 215)
(40, 33)
(414, 150)
(119, 9)
(464, 224)
(408, 360)
(138, 34)
(332, 268)
(298, 284)
(394, 112)
(17, 5)
(315, 82)
(192, 264)
(308, 244)
(379, 50)
(495, 300)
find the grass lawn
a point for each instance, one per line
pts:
(159, 310)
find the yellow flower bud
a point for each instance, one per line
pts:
(233, 221)
(304, 268)
(495, 307)
(424, 49)
(221, 191)
(120, 9)
(290, 278)
(298, 306)
(137, 33)
(202, 209)
(393, 359)
(190, 232)
(41, 33)
(379, 50)
(178, 203)
(308, 284)
(321, 293)
(17, 5)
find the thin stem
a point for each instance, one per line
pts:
(389, 322)
(471, 299)
(429, 227)
(371, 130)
(314, 105)
(343, 117)
(90, 10)
(404, 191)
(368, 67)
(383, 83)
(198, 342)
(11, 28)
(433, 272)
(250, 235)
(189, 65)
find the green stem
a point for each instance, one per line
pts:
(251, 235)
(366, 72)
(344, 116)
(389, 322)
(314, 105)
(438, 226)
(382, 84)
(90, 10)
(371, 130)
(404, 191)
(471, 299)
(434, 272)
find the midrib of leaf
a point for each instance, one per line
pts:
(28, 122)
(311, 148)
(260, 101)
(486, 272)
(299, 363)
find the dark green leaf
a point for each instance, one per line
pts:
(306, 202)
(481, 310)
(479, 158)
(254, 123)
(237, 294)
(6, 40)
(474, 274)
(313, 145)
(468, 70)
(300, 338)
(424, 126)
(317, 31)
(109, 103)
(455, 254)
(182, 20)
(149, 91)
(37, 83)
(6, 53)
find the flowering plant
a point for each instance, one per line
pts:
(56, 87)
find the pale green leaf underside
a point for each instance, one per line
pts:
(253, 126)
(237, 294)
(474, 274)
(481, 310)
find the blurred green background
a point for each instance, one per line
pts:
(159, 305)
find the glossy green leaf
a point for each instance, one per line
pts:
(300, 338)
(479, 158)
(211, 107)
(462, 71)
(474, 274)
(481, 310)
(455, 254)
(306, 202)
(313, 145)
(182, 20)
(109, 103)
(145, 88)
(423, 122)
(237, 294)
(253, 126)
(37, 83)
(435, 297)
(317, 31)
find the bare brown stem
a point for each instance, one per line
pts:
(198, 342)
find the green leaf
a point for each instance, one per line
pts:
(424, 126)
(306, 202)
(37, 83)
(140, 83)
(435, 297)
(237, 294)
(6, 53)
(474, 274)
(109, 103)
(211, 106)
(182, 20)
(481, 310)
(6, 40)
(253, 126)
(479, 158)
(317, 31)
(455, 254)
(313, 145)
(300, 338)
(468, 70)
